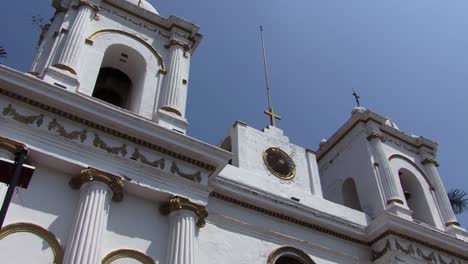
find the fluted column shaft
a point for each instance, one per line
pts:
(46, 47)
(84, 244)
(174, 93)
(448, 215)
(184, 217)
(181, 237)
(71, 51)
(85, 239)
(389, 182)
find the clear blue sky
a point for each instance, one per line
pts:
(407, 59)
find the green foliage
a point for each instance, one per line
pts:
(3, 52)
(459, 200)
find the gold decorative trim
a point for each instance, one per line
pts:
(452, 223)
(290, 162)
(12, 146)
(99, 143)
(375, 135)
(28, 120)
(110, 131)
(127, 253)
(395, 200)
(174, 42)
(180, 203)
(54, 124)
(289, 251)
(171, 110)
(157, 163)
(88, 4)
(395, 156)
(196, 177)
(65, 68)
(90, 174)
(430, 161)
(158, 56)
(38, 231)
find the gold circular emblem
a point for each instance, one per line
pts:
(279, 163)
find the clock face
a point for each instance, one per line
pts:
(279, 163)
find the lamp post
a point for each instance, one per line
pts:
(20, 157)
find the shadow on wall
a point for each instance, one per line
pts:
(137, 224)
(50, 200)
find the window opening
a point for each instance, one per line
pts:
(112, 86)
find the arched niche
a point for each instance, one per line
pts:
(289, 255)
(131, 55)
(127, 256)
(30, 238)
(350, 194)
(417, 189)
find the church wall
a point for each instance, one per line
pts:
(135, 223)
(54, 211)
(351, 158)
(249, 145)
(237, 235)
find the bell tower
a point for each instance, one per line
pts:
(121, 53)
(372, 166)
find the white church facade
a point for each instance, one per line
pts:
(116, 179)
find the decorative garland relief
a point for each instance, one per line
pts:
(81, 135)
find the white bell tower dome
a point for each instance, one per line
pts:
(122, 54)
(144, 4)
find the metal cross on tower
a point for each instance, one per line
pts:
(270, 111)
(356, 97)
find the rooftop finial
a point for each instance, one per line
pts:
(270, 111)
(356, 97)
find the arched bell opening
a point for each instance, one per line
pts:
(113, 86)
(350, 195)
(415, 198)
(121, 77)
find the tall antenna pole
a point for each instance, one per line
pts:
(270, 111)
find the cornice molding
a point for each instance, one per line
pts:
(180, 203)
(115, 183)
(113, 132)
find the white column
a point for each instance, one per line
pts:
(85, 238)
(46, 48)
(389, 182)
(184, 217)
(174, 93)
(71, 51)
(448, 215)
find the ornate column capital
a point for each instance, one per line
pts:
(12, 146)
(90, 174)
(180, 203)
(375, 135)
(89, 4)
(174, 41)
(430, 161)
